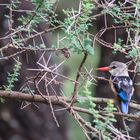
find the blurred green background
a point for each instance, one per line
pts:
(70, 67)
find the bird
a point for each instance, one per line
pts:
(121, 83)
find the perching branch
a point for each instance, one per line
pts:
(63, 102)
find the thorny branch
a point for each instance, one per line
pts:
(62, 101)
(77, 78)
(18, 47)
(18, 50)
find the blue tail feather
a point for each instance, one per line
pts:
(124, 101)
(124, 107)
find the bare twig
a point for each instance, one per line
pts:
(77, 78)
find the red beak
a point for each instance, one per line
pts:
(104, 69)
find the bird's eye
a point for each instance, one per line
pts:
(113, 67)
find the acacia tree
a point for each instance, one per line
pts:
(43, 80)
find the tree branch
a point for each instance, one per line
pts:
(59, 100)
(77, 78)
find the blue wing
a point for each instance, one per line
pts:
(123, 86)
(125, 99)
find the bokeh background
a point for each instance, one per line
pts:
(32, 123)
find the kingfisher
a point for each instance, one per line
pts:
(121, 83)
